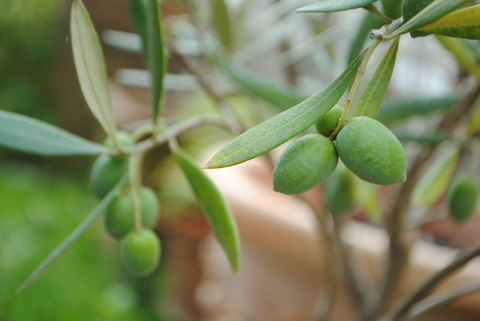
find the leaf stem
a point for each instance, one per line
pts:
(374, 10)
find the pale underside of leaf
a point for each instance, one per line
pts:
(372, 96)
(335, 5)
(284, 126)
(33, 136)
(463, 23)
(90, 66)
(213, 204)
(429, 14)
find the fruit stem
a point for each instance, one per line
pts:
(360, 72)
(134, 171)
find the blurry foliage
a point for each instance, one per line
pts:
(88, 283)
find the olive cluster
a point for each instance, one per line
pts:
(140, 248)
(366, 147)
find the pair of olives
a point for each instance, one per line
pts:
(366, 147)
(140, 249)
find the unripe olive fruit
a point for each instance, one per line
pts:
(462, 198)
(124, 138)
(106, 173)
(340, 192)
(304, 164)
(371, 151)
(140, 252)
(326, 124)
(119, 217)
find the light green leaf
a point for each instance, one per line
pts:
(138, 14)
(90, 65)
(282, 127)
(157, 57)
(335, 5)
(77, 232)
(395, 110)
(214, 207)
(466, 55)
(434, 182)
(366, 194)
(429, 14)
(372, 96)
(371, 21)
(221, 22)
(464, 23)
(33, 136)
(280, 96)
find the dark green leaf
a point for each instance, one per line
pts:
(138, 15)
(157, 58)
(282, 127)
(280, 96)
(464, 23)
(33, 136)
(90, 65)
(335, 5)
(77, 232)
(392, 8)
(214, 207)
(372, 96)
(221, 22)
(371, 21)
(411, 7)
(404, 108)
(429, 14)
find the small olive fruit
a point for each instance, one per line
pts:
(304, 164)
(106, 173)
(462, 198)
(124, 138)
(140, 252)
(340, 192)
(326, 124)
(119, 217)
(371, 151)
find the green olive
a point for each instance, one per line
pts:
(304, 164)
(106, 173)
(340, 191)
(140, 252)
(124, 138)
(119, 218)
(371, 151)
(326, 124)
(462, 198)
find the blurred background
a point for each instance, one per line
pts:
(43, 199)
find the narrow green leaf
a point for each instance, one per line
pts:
(369, 22)
(430, 139)
(429, 14)
(138, 14)
(77, 232)
(90, 65)
(434, 182)
(30, 135)
(366, 194)
(335, 5)
(221, 23)
(372, 96)
(392, 8)
(464, 23)
(411, 7)
(282, 127)
(401, 109)
(279, 96)
(214, 207)
(466, 55)
(157, 58)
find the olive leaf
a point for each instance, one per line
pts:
(395, 110)
(279, 96)
(392, 8)
(221, 22)
(466, 56)
(335, 5)
(411, 7)
(369, 22)
(90, 66)
(372, 96)
(77, 232)
(282, 127)
(464, 23)
(138, 14)
(213, 204)
(434, 182)
(30, 135)
(431, 139)
(156, 56)
(429, 14)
